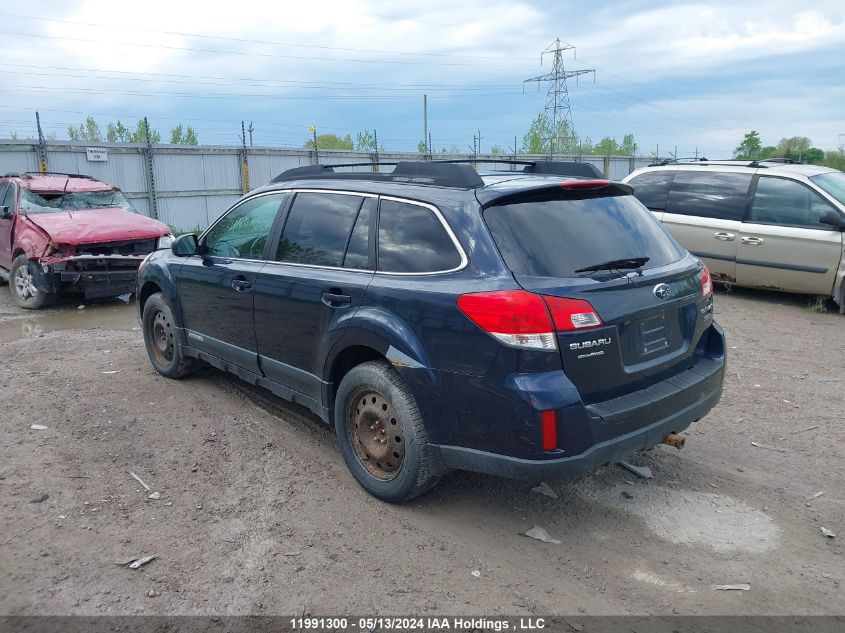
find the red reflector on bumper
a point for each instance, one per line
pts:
(548, 421)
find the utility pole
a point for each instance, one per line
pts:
(479, 142)
(313, 130)
(42, 146)
(425, 121)
(430, 150)
(250, 129)
(244, 160)
(557, 97)
(375, 142)
(151, 182)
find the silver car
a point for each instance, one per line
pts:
(761, 224)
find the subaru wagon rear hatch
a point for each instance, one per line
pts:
(628, 303)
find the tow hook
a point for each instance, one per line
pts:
(673, 439)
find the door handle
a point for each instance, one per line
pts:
(241, 285)
(725, 237)
(752, 241)
(336, 299)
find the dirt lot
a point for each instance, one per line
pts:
(258, 514)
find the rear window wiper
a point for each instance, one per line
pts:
(615, 264)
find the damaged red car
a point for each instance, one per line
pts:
(63, 233)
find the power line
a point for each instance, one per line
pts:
(253, 41)
(256, 54)
(234, 81)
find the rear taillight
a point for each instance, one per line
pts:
(548, 424)
(706, 282)
(515, 317)
(572, 314)
(523, 319)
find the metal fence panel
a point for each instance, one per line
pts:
(194, 185)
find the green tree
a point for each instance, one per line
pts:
(176, 135)
(749, 148)
(793, 147)
(140, 134)
(498, 150)
(191, 136)
(814, 156)
(629, 145)
(537, 140)
(117, 133)
(606, 147)
(331, 141)
(87, 131)
(365, 141)
(422, 148)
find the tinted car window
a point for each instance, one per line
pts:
(833, 183)
(9, 199)
(709, 194)
(412, 240)
(652, 188)
(358, 251)
(557, 237)
(318, 228)
(243, 232)
(782, 201)
(3, 189)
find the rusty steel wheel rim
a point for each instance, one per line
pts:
(376, 434)
(161, 337)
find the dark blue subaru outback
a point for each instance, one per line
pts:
(532, 324)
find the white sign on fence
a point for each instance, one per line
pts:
(97, 154)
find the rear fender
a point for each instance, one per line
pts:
(392, 338)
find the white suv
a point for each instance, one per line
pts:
(767, 224)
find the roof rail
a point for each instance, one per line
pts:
(676, 161)
(30, 174)
(784, 161)
(444, 173)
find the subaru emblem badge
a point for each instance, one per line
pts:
(662, 291)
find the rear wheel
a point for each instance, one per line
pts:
(160, 339)
(22, 286)
(381, 433)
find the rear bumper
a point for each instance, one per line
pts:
(613, 450)
(591, 435)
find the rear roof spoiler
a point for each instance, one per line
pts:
(569, 189)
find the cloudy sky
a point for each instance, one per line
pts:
(695, 75)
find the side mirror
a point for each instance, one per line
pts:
(185, 245)
(5, 213)
(833, 218)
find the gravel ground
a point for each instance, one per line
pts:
(258, 514)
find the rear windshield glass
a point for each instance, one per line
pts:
(557, 237)
(50, 202)
(833, 183)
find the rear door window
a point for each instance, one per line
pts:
(788, 203)
(411, 239)
(652, 188)
(557, 237)
(318, 228)
(709, 194)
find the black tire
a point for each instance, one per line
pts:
(160, 339)
(372, 397)
(22, 287)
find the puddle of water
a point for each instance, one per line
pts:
(688, 517)
(111, 315)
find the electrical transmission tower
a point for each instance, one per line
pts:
(557, 98)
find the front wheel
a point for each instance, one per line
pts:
(23, 289)
(160, 339)
(381, 433)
